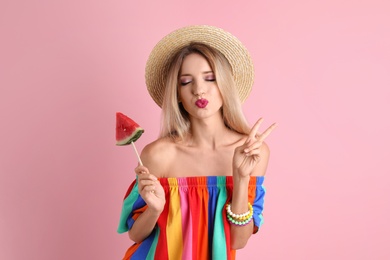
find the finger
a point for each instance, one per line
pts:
(147, 176)
(149, 188)
(254, 129)
(267, 132)
(141, 170)
(253, 146)
(254, 153)
(146, 182)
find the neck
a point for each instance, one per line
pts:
(208, 133)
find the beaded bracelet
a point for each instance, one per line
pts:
(239, 219)
(243, 216)
(239, 223)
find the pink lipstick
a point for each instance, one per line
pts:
(201, 103)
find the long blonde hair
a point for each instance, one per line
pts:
(175, 120)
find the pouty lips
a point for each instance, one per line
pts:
(201, 103)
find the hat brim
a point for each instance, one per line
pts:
(234, 51)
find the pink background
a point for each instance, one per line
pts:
(322, 72)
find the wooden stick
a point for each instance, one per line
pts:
(136, 152)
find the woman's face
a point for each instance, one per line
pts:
(198, 90)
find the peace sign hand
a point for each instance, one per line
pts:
(247, 156)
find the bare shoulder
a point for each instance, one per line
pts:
(264, 149)
(261, 167)
(158, 155)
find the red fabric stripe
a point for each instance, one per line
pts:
(194, 202)
(229, 188)
(252, 196)
(202, 239)
(162, 245)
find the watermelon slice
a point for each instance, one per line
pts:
(127, 131)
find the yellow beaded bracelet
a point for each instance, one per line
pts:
(239, 223)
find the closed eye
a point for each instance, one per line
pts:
(183, 83)
(209, 76)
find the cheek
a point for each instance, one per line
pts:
(183, 95)
(179, 92)
(216, 92)
(185, 90)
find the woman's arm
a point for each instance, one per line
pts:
(151, 192)
(250, 159)
(144, 225)
(239, 235)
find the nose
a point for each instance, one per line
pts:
(198, 89)
(199, 94)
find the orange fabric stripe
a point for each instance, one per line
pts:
(131, 251)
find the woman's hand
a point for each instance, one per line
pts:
(150, 189)
(247, 156)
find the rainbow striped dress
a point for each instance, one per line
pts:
(193, 224)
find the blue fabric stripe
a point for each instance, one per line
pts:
(258, 204)
(213, 196)
(144, 248)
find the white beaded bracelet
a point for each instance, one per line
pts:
(242, 216)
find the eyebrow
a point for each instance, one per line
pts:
(204, 72)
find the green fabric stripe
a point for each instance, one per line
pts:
(219, 245)
(127, 208)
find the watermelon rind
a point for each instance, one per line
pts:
(132, 138)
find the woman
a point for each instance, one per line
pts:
(200, 193)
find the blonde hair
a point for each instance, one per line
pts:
(175, 120)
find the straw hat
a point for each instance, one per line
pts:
(234, 51)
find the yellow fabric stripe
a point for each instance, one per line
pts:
(174, 225)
